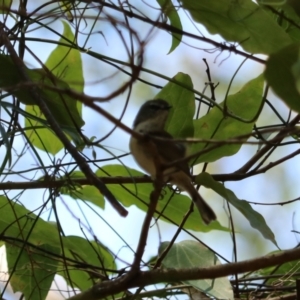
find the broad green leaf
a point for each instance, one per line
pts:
(282, 74)
(88, 193)
(296, 72)
(90, 252)
(242, 21)
(18, 222)
(5, 6)
(139, 194)
(41, 137)
(255, 219)
(271, 2)
(288, 270)
(295, 4)
(62, 107)
(217, 126)
(83, 192)
(182, 99)
(191, 254)
(170, 11)
(96, 258)
(287, 17)
(291, 14)
(32, 270)
(64, 63)
(12, 77)
(65, 111)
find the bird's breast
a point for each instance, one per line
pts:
(142, 152)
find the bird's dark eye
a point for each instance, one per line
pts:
(159, 105)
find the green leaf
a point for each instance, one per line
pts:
(5, 6)
(291, 14)
(241, 21)
(282, 74)
(96, 258)
(41, 137)
(170, 11)
(138, 195)
(65, 111)
(295, 4)
(67, 7)
(271, 2)
(286, 16)
(286, 270)
(244, 104)
(83, 192)
(18, 222)
(191, 254)
(32, 271)
(296, 72)
(66, 64)
(182, 99)
(255, 219)
(62, 107)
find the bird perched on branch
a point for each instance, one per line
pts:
(158, 148)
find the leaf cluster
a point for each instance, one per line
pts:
(42, 111)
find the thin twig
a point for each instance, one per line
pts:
(56, 128)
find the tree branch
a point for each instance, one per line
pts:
(120, 284)
(91, 176)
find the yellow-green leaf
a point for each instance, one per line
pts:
(218, 126)
(170, 11)
(66, 64)
(5, 6)
(182, 100)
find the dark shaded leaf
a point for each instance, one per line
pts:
(243, 22)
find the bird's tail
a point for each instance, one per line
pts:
(183, 181)
(205, 210)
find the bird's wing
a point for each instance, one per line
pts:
(170, 151)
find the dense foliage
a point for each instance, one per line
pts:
(48, 100)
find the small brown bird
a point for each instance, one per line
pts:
(151, 120)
